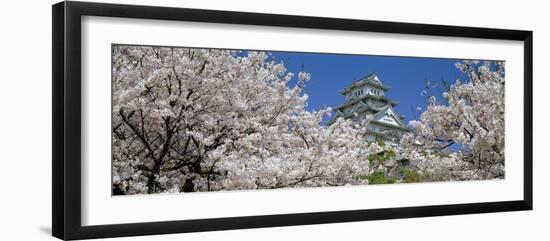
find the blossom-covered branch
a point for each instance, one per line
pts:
(462, 138)
(189, 119)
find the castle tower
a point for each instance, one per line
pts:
(366, 96)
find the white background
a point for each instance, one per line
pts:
(25, 123)
(101, 208)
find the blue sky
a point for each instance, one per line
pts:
(406, 76)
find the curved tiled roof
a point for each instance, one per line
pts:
(371, 80)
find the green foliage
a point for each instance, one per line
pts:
(380, 141)
(411, 176)
(379, 178)
(381, 157)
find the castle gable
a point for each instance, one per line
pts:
(389, 116)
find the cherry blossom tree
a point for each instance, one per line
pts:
(462, 136)
(188, 119)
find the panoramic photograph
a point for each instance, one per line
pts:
(187, 119)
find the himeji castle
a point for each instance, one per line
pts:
(366, 96)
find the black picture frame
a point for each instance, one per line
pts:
(66, 127)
